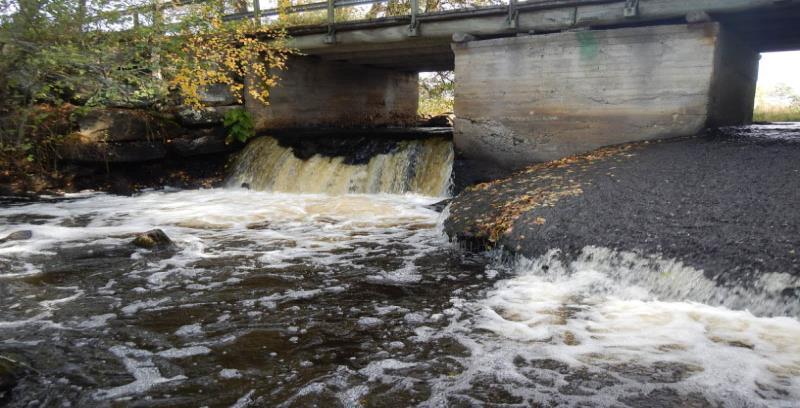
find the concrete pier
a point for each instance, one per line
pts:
(535, 98)
(316, 93)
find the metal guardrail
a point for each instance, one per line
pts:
(157, 8)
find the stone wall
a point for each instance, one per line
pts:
(317, 93)
(542, 97)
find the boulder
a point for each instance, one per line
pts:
(153, 239)
(17, 236)
(77, 147)
(683, 199)
(219, 95)
(205, 116)
(202, 141)
(122, 125)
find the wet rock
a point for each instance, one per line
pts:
(202, 141)
(439, 206)
(259, 225)
(152, 239)
(205, 116)
(10, 373)
(122, 125)
(445, 120)
(121, 186)
(21, 235)
(218, 95)
(467, 173)
(77, 147)
(683, 199)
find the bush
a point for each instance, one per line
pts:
(240, 126)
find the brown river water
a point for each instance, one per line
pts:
(351, 296)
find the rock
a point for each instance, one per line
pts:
(205, 116)
(631, 198)
(219, 95)
(445, 120)
(122, 125)
(10, 373)
(18, 236)
(440, 205)
(203, 141)
(470, 172)
(152, 239)
(77, 147)
(261, 225)
(121, 186)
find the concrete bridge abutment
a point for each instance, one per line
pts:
(313, 93)
(535, 98)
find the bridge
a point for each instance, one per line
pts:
(535, 80)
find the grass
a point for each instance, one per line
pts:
(430, 106)
(776, 114)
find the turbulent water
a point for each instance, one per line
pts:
(270, 298)
(274, 299)
(416, 166)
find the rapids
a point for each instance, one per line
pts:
(358, 300)
(274, 298)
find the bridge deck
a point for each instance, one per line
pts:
(765, 25)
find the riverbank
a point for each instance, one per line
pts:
(725, 203)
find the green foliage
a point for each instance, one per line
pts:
(240, 126)
(436, 93)
(122, 53)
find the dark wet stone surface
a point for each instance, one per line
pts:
(152, 239)
(725, 202)
(356, 146)
(17, 236)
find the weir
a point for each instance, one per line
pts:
(405, 166)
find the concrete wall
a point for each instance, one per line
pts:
(733, 90)
(316, 93)
(536, 98)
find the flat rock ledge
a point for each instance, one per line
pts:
(727, 203)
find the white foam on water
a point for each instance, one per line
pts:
(245, 401)
(189, 330)
(140, 365)
(274, 228)
(94, 322)
(184, 352)
(322, 234)
(229, 373)
(612, 319)
(137, 306)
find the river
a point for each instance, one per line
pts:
(298, 300)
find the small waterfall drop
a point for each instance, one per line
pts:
(412, 166)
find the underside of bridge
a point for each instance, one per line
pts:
(557, 81)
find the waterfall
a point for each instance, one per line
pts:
(410, 166)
